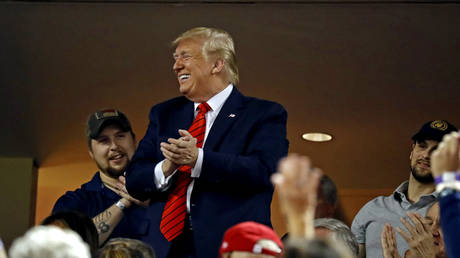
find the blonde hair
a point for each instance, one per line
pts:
(126, 248)
(218, 43)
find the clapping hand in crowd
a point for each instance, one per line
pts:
(297, 183)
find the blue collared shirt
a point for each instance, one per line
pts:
(368, 223)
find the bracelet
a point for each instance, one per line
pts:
(447, 176)
(120, 205)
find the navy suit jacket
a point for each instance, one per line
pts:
(241, 152)
(450, 223)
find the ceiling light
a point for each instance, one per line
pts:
(317, 137)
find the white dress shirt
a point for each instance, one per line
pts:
(215, 102)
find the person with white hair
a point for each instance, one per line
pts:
(337, 230)
(50, 242)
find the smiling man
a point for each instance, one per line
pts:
(115, 213)
(416, 195)
(207, 157)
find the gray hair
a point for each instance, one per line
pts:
(51, 242)
(341, 232)
(315, 248)
(218, 43)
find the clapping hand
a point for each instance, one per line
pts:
(297, 183)
(419, 238)
(388, 240)
(182, 151)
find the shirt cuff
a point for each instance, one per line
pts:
(161, 182)
(196, 171)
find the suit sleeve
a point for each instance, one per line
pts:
(71, 201)
(141, 170)
(264, 146)
(450, 223)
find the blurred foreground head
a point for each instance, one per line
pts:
(78, 222)
(126, 248)
(316, 248)
(50, 242)
(338, 231)
(250, 239)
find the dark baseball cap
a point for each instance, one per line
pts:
(98, 120)
(434, 130)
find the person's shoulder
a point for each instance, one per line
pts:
(85, 188)
(261, 101)
(170, 105)
(180, 100)
(262, 104)
(372, 205)
(75, 199)
(377, 201)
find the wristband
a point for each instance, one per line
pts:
(449, 180)
(120, 205)
(447, 176)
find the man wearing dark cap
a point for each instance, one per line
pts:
(115, 213)
(415, 195)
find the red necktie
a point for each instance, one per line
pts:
(173, 218)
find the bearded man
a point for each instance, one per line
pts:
(104, 198)
(416, 195)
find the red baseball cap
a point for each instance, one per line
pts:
(251, 237)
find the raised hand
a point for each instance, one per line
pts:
(121, 190)
(419, 238)
(446, 157)
(388, 241)
(297, 184)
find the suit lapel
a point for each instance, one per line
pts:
(231, 111)
(182, 118)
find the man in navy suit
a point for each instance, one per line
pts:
(228, 164)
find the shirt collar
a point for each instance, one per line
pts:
(217, 101)
(401, 192)
(95, 184)
(402, 189)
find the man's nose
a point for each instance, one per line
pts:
(178, 65)
(114, 145)
(428, 152)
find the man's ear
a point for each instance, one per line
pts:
(411, 151)
(91, 154)
(218, 66)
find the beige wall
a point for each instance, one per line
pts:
(55, 180)
(17, 197)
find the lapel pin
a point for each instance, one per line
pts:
(231, 115)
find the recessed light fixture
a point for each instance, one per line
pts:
(317, 137)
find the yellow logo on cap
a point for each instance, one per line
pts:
(439, 124)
